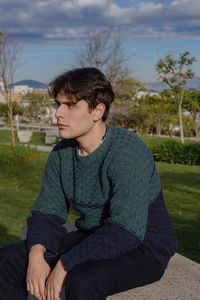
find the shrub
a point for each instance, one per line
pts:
(177, 153)
(16, 155)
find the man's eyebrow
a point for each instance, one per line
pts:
(69, 102)
(66, 102)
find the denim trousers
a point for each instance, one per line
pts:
(92, 280)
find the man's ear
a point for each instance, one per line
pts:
(98, 112)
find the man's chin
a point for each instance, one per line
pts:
(64, 135)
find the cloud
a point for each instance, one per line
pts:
(67, 21)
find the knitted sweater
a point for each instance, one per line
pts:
(117, 191)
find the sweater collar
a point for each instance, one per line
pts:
(98, 152)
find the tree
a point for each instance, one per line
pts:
(170, 121)
(17, 110)
(103, 49)
(126, 88)
(123, 109)
(37, 106)
(192, 104)
(10, 52)
(153, 105)
(175, 73)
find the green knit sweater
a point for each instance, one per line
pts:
(117, 191)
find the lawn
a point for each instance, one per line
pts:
(38, 138)
(19, 187)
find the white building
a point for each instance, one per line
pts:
(141, 94)
(22, 89)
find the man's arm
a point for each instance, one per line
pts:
(45, 226)
(37, 272)
(50, 209)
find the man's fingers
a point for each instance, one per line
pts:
(42, 289)
(31, 289)
(36, 292)
(56, 295)
(48, 293)
(52, 293)
(27, 286)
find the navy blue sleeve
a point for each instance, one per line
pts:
(46, 230)
(108, 241)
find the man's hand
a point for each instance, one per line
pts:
(37, 273)
(55, 282)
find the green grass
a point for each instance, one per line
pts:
(182, 195)
(38, 138)
(19, 186)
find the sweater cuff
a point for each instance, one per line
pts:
(46, 230)
(109, 241)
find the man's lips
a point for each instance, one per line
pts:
(62, 125)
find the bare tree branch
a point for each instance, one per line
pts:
(104, 50)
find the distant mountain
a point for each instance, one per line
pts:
(160, 86)
(32, 83)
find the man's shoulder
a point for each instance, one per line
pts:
(127, 139)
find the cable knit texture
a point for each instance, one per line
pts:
(118, 193)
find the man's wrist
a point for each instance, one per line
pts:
(37, 249)
(61, 266)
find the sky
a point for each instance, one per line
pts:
(49, 29)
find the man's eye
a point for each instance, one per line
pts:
(69, 104)
(56, 105)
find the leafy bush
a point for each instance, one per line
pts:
(16, 155)
(177, 153)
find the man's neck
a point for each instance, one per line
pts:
(92, 140)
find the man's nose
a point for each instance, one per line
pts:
(59, 112)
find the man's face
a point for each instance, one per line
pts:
(73, 118)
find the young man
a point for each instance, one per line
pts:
(124, 236)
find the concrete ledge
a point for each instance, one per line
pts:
(24, 135)
(181, 281)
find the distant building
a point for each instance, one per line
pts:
(15, 97)
(141, 94)
(22, 89)
(40, 91)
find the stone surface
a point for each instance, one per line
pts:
(181, 281)
(24, 135)
(50, 139)
(52, 132)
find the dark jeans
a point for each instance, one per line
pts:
(93, 280)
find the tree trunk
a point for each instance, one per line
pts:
(196, 132)
(10, 117)
(180, 101)
(158, 127)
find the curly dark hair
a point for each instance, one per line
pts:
(88, 84)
